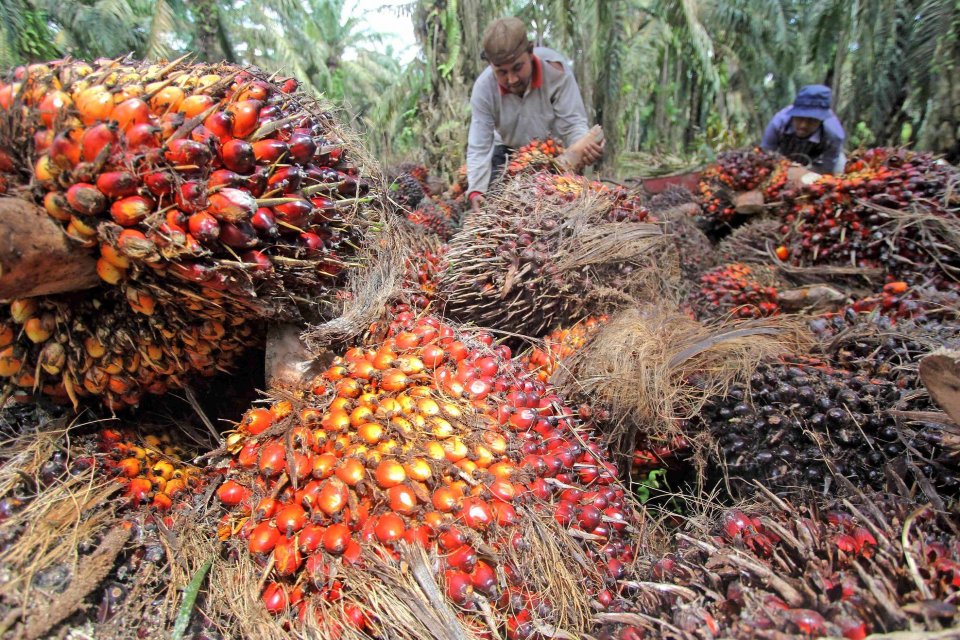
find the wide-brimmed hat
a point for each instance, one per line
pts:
(504, 40)
(812, 101)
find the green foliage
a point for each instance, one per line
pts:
(653, 481)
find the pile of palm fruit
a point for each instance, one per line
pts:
(213, 198)
(420, 480)
(436, 439)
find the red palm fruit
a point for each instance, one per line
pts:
(389, 527)
(142, 136)
(86, 199)
(203, 135)
(302, 147)
(130, 211)
(188, 152)
(459, 587)
(336, 538)
(117, 184)
(192, 197)
(240, 235)
(96, 138)
(237, 155)
(255, 90)
(291, 519)
(270, 150)
(64, 151)
(52, 105)
(263, 538)
(333, 496)
(131, 112)
(272, 459)
(134, 244)
(41, 142)
(231, 205)
(220, 124)
(286, 179)
(159, 183)
(246, 117)
(274, 598)
(286, 556)
(258, 260)
(294, 214)
(311, 242)
(324, 209)
(225, 178)
(169, 124)
(257, 181)
(232, 493)
(265, 223)
(290, 85)
(204, 227)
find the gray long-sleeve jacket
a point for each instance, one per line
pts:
(551, 106)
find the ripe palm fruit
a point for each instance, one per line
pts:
(537, 155)
(437, 439)
(559, 344)
(893, 209)
(407, 191)
(525, 262)
(736, 289)
(838, 569)
(135, 170)
(800, 422)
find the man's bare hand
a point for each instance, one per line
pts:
(591, 152)
(476, 202)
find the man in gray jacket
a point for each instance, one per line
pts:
(525, 93)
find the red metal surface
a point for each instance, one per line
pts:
(659, 183)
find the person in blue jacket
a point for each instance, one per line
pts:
(808, 131)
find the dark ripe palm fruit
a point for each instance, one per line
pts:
(800, 421)
(435, 438)
(513, 265)
(837, 566)
(170, 152)
(892, 209)
(407, 192)
(735, 289)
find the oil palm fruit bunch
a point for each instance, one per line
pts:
(208, 193)
(813, 569)
(407, 191)
(436, 441)
(801, 422)
(541, 247)
(436, 216)
(893, 209)
(537, 155)
(737, 171)
(736, 289)
(754, 242)
(898, 300)
(114, 345)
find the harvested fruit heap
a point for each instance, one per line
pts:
(893, 209)
(435, 439)
(84, 522)
(524, 262)
(813, 569)
(735, 171)
(802, 423)
(207, 191)
(535, 156)
(736, 289)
